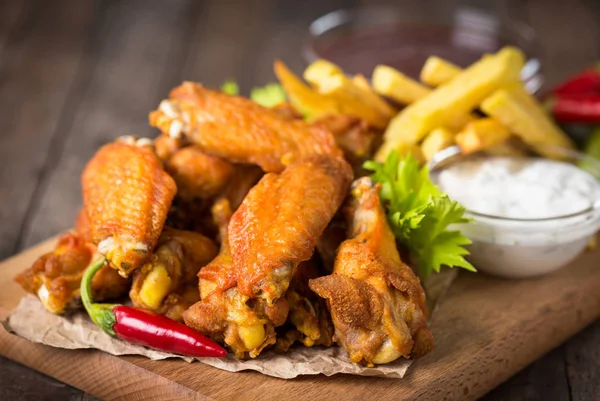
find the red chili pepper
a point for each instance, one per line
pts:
(140, 327)
(587, 81)
(575, 108)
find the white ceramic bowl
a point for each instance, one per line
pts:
(519, 248)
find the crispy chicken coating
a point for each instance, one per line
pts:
(243, 179)
(168, 283)
(238, 129)
(165, 146)
(277, 225)
(309, 321)
(353, 136)
(197, 174)
(195, 215)
(376, 301)
(55, 276)
(127, 196)
(246, 325)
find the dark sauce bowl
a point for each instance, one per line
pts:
(359, 39)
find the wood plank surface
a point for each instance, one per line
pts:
(77, 73)
(485, 329)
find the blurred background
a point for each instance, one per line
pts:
(75, 74)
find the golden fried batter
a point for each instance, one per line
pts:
(308, 317)
(197, 174)
(239, 130)
(353, 136)
(376, 302)
(245, 325)
(278, 223)
(55, 277)
(127, 196)
(168, 283)
(165, 146)
(243, 179)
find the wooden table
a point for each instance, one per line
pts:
(75, 74)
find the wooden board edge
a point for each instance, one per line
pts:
(100, 374)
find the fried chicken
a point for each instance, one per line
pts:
(127, 195)
(247, 326)
(309, 321)
(376, 301)
(55, 277)
(168, 283)
(353, 136)
(239, 130)
(277, 225)
(197, 174)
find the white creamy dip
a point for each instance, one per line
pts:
(509, 196)
(523, 188)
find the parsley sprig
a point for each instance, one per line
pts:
(420, 214)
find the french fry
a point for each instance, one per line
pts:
(310, 103)
(465, 92)
(329, 80)
(458, 121)
(524, 116)
(437, 71)
(363, 83)
(390, 82)
(438, 139)
(481, 134)
(319, 71)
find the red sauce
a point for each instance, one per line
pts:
(404, 47)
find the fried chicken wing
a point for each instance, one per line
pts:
(243, 179)
(277, 225)
(197, 174)
(127, 196)
(376, 302)
(353, 136)
(308, 320)
(247, 326)
(55, 276)
(238, 129)
(165, 146)
(168, 283)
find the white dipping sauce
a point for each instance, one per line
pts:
(523, 188)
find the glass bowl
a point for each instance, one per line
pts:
(527, 247)
(361, 38)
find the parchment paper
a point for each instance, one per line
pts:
(33, 322)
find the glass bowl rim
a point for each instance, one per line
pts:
(342, 16)
(455, 150)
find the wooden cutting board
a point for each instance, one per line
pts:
(486, 329)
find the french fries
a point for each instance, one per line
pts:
(361, 82)
(437, 71)
(352, 98)
(319, 71)
(524, 116)
(308, 102)
(390, 82)
(459, 96)
(438, 139)
(481, 134)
